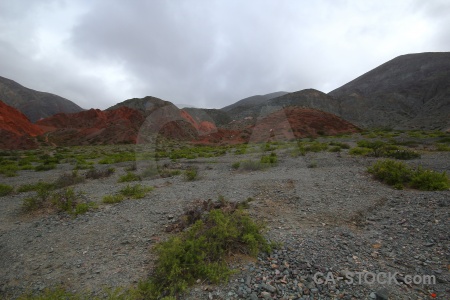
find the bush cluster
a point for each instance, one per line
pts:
(199, 252)
(399, 174)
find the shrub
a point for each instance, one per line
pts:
(35, 187)
(68, 179)
(37, 201)
(399, 174)
(269, 159)
(8, 168)
(129, 177)
(335, 149)
(403, 154)
(199, 252)
(111, 199)
(191, 174)
(428, 180)
(136, 191)
(340, 145)
(442, 147)
(360, 151)
(96, 174)
(312, 164)
(45, 167)
(236, 165)
(391, 172)
(5, 190)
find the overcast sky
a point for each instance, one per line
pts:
(207, 53)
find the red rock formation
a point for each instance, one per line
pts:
(296, 122)
(16, 131)
(93, 127)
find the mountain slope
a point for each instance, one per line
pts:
(408, 92)
(16, 131)
(34, 104)
(305, 98)
(252, 101)
(145, 105)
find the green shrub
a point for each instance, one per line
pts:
(199, 253)
(37, 201)
(82, 208)
(399, 174)
(403, 154)
(428, 180)
(191, 174)
(35, 187)
(129, 177)
(391, 172)
(5, 190)
(340, 145)
(45, 167)
(269, 159)
(252, 165)
(360, 151)
(335, 149)
(111, 199)
(442, 147)
(236, 165)
(9, 168)
(136, 191)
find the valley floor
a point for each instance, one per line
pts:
(329, 214)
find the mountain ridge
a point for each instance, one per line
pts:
(34, 104)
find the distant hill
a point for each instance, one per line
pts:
(34, 104)
(305, 98)
(250, 102)
(16, 131)
(145, 105)
(408, 92)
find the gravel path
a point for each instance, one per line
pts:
(330, 218)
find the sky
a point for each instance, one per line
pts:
(207, 53)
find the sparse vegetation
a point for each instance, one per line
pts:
(191, 174)
(5, 190)
(200, 251)
(96, 174)
(399, 175)
(271, 159)
(129, 177)
(136, 191)
(111, 199)
(236, 165)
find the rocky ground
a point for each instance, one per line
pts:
(332, 218)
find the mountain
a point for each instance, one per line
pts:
(131, 121)
(16, 131)
(251, 102)
(305, 98)
(145, 105)
(34, 104)
(216, 116)
(408, 92)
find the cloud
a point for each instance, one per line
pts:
(207, 53)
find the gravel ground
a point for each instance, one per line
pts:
(333, 218)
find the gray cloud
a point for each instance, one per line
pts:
(207, 53)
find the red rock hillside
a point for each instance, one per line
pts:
(121, 125)
(297, 122)
(16, 131)
(93, 127)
